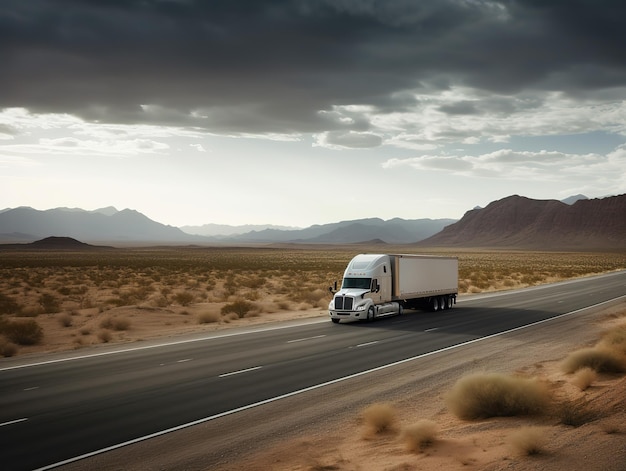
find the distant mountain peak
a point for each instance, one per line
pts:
(572, 199)
(108, 211)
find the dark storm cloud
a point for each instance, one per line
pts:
(273, 65)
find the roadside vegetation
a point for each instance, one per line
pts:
(530, 412)
(213, 285)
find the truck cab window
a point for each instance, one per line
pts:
(358, 283)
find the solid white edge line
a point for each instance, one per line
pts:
(11, 422)
(312, 388)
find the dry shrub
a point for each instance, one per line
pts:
(615, 339)
(65, 320)
(584, 378)
(601, 359)
(483, 395)
(104, 336)
(208, 317)
(7, 349)
(379, 418)
(184, 298)
(22, 332)
(576, 413)
(240, 307)
(528, 441)
(115, 323)
(419, 435)
(8, 305)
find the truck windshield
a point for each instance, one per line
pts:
(359, 283)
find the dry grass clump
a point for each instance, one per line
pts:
(379, 418)
(7, 349)
(115, 323)
(615, 339)
(575, 413)
(209, 317)
(584, 378)
(65, 320)
(419, 435)
(484, 395)
(599, 358)
(528, 441)
(105, 336)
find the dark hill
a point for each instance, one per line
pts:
(55, 243)
(522, 222)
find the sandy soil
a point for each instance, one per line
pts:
(598, 444)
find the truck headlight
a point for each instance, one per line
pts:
(361, 307)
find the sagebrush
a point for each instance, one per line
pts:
(483, 395)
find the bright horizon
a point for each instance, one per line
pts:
(296, 113)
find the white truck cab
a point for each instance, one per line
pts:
(366, 290)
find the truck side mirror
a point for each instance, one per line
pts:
(333, 289)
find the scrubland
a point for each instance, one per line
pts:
(52, 300)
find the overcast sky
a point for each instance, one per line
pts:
(302, 112)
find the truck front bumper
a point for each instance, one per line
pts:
(355, 315)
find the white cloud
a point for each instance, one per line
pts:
(542, 166)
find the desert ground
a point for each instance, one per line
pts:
(56, 302)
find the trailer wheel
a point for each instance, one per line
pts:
(444, 303)
(371, 314)
(335, 321)
(400, 310)
(449, 302)
(434, 304)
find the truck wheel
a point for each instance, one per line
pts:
(443, 303)
(370, 314)
(400, 310)
(335, 321)
(448, 302)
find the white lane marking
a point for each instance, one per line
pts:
(366, 344)
(32, 388)
(306, 338)
(239, 372)
(11, 422)
(310, 388)
(430, 330)
(183, 361)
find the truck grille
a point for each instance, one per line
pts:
(344, 303)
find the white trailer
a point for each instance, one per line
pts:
(376, 285)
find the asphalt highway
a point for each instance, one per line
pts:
(55, 412)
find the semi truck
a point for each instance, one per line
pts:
(376, 285)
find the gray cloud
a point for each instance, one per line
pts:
(281, 66)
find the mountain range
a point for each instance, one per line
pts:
(514, 221)
(107, 225)
(522, 222)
